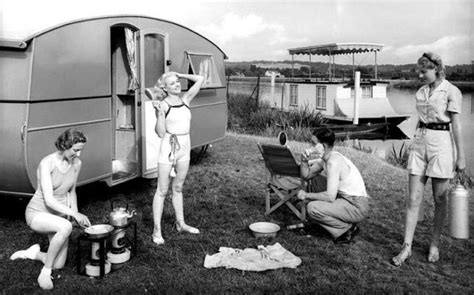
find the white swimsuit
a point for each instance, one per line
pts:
(176, 144)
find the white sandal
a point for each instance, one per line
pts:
(29, 253)
(403, 255)
(157, 237)
(181, 226)
(433, 254)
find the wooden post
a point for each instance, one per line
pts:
(227, 90)
(258, 90)
(357, 94)
(272, 88)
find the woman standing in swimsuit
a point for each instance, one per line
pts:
(172, 126)
(436, 151)
(55, 199)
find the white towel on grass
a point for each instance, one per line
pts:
(260, 259)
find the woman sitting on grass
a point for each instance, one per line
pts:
(432, 153)
(54, 200)
(173, 124)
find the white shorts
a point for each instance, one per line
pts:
(432, 154)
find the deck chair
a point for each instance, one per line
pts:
(285, 180)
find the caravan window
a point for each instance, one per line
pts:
(294, 95)
(154, 58)
(204, 65)
(321, 97)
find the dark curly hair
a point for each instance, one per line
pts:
(69, 138)
(325, 135)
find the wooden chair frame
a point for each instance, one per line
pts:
(285, 180)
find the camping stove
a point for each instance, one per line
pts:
(97, 265)
(119, 254)
(93, 267)
(120, 250)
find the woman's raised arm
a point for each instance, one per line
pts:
(193, 91)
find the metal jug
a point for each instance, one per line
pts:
(459, 212)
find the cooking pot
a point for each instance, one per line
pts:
(120, 215)
(99, 230)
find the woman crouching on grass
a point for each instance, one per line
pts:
(433, 150)
(54, 200)
(173, 124)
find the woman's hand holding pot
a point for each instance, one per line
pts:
(82, 220)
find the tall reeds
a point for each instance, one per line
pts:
(398, 157)
(244, 115)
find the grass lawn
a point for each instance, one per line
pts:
(223, 195)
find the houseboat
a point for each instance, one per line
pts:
(363, 104)
(91, 74)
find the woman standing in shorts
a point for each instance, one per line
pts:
(436, 151)
(173, 124)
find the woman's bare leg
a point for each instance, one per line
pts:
(60, 260)
(440, 195)
(182, 168)
(59, 229)
(159, 201)
(416, 186)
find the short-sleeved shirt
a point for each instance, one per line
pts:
(435, 108)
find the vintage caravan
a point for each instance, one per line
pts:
(334, 96)
(91, 74)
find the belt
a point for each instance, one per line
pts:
(434, 126)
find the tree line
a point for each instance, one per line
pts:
(320, 70)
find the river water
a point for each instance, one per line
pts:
(403, 102)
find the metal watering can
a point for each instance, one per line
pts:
(459, 209)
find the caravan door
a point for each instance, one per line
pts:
(154, 53)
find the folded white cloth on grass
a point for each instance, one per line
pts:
(260, 259)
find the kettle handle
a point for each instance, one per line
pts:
(113, 202)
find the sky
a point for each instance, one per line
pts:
(265, 30)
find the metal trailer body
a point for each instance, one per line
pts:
(77, 75)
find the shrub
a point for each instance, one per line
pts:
(245, 116)
(398, 157)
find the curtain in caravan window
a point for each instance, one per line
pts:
(132, 59)
(205, 70)
(204, 65)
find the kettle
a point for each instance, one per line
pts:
(459, 210)
(120, 215)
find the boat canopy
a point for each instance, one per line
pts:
(336, 49)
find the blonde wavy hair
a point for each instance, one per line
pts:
(430, 60)
(161, 83)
